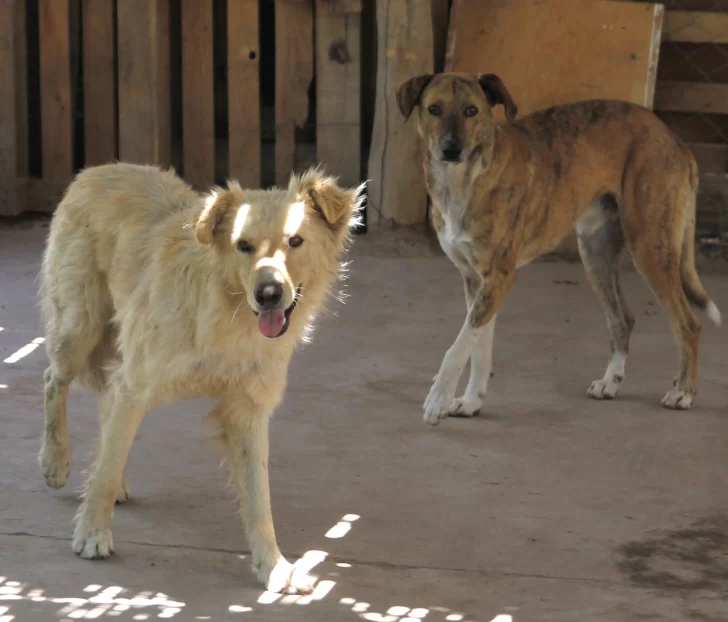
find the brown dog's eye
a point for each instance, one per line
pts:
(245, 247)
(434, 110)
(295, 241)
(471, 111)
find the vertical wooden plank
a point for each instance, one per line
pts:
(440, 18)
(243, 92)
(294, 73)
(396, 191)
(338, 90)
(21, 90)
(99, 97)
(8, 152)
(55, 89)
(198, 114)
(144, 81)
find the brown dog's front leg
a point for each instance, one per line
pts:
(486, 302)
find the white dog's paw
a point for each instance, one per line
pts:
(55, 463)
(124, 494)
(92, 543)
(465, 406)
(677, 399)
(285, 578)
(603, 390)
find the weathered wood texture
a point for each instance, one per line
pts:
(338, 88)
(294, 73)
(243, 92)
(703, 97)
(198, 112)
(440, 22)
(99, 98)
(396, 191)
(55, 89)
(695, 27)
(144, 81)
(20, 63)
(8, 112)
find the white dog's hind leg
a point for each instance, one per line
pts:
(92, 537)
(481, 365)
(246, 437)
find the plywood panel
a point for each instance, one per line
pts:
(99, 96)
(338, 90)
(144, 81)
(198, 113)
(55, 89)
(243, 92)
(294, 73)
(555, 51)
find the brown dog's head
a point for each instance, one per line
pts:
(455, 119)
(279, 248)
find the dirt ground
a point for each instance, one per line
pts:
(547, 507)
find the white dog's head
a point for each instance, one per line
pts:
(280, 248)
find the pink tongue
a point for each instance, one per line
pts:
(271, 323)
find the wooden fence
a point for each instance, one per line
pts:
(174, 82)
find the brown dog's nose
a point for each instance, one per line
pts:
(451, 152)
(268, 295)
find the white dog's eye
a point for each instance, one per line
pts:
(245, 247)
(295, 241)
(471, 111)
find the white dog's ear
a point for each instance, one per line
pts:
(323, 195)
(217, 204)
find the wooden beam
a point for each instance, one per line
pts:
(55, 89)
(144, 81)
(440, 23)
(338, 91)
(198, 112)
(39, 195)
(396, 191)
(293, 73)
(8, 112)
(99, 96)
(695, 27)
(21, 90)
(243, 92)
(700, 97)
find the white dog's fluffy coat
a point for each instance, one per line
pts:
(147, 297)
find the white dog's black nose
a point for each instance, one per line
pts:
(268, 295)
(451, 152)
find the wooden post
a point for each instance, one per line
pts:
(99, 100)
(144, 81)
(396, 191)
(243, 92)
(440, 20)
(338, 88)
(294, 73)
(8, 112)
(198, 113)
(55, 89)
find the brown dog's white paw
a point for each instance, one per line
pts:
(603, 389)
(677, 399)
(465, 407)
(124, 494)
(55, 463)
(285, 578)
(92, 543)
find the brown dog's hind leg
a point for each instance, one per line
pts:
(657, 248)
(601, 246)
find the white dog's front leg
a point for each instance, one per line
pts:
(442, 393)
(246, 436)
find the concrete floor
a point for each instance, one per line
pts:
(547, 507)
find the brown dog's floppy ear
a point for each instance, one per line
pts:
(497, 93)
(409, 93)
(217, 204)
(324, 196)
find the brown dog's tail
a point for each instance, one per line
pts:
(691, 283)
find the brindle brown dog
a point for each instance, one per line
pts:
(503, 194)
